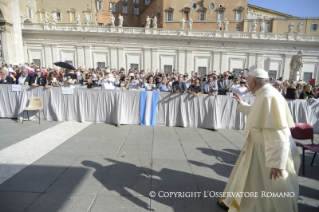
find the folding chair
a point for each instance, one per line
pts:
(36, 103)
(303, 131)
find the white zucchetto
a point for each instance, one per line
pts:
(259, 73)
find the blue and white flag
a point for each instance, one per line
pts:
(148, 108)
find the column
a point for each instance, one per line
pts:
(7, 54)
(18, 52)
(121, 58)
(55, 53)
(47, 56)
(113, 58)
(286, 69)
(181, 61)
(88, 56)
(189, 62)
(147, 59)
(155, 60)
(251, 62)
(80, 56)
(216, 61)
(260, 61)
(224, 66)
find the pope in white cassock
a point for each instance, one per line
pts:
(269, 160)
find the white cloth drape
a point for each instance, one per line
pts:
(122, 107)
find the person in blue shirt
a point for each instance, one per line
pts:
(164, 87)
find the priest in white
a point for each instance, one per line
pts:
(269, 161)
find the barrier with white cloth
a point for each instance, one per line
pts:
(124, 107)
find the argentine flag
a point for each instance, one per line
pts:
(148, 108)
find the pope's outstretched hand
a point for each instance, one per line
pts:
(237, 97)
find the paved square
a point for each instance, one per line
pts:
(107, 168)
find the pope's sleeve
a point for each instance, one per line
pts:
(277, 147)
(244, 108)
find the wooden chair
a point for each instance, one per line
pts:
(303, 131)
(36, 103)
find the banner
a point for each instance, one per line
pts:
(148, 108)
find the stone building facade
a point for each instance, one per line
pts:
(203, 49)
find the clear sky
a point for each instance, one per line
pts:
(300, 8)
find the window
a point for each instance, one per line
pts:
(267, 27)
(186, 16)
(237, 29)
(143, 22)
(152, 14)
(99, 5)
(136, 1)
(30, 13)
(251, 28)
(37, 62)
(202, 71)
(221, 15)
(112, 7)
(202, 16)
(134, 66)
(101, 64)
(211, 6)
(194, 6)
(124, 0)
(159, 8)
(136, 10)
(168, 68)
(238, 15)
(147, 2)
(307, 76)
(58, 16)
(30, 1)
(169, 16)
(69, 62)
(314, 27)
(124, 8)
(272, 74)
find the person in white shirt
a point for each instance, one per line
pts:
(242, 90)
(186, 80)
(24, 77)
(235, 84)
(132, 83)
(107, 82)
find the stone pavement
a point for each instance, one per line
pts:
(106, 168)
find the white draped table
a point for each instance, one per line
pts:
(122, 107)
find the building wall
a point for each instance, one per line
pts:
(66, 9)
(281, 26)
(11, 37)
(211, 15)
(182, 53)
(25, 6)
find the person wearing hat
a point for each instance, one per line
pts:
(269, 161)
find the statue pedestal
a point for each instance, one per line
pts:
(182, 32)
(79, 28)
(155, 31)
(46, 26)
(120, 29)
(147, 31)
(290, 36)
(262, 35)
(53, 27)
(253, 35)
(218, 33)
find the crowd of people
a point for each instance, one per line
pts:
(213, 84)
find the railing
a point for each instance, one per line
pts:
(173, 32)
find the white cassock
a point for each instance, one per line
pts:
(269, 144)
